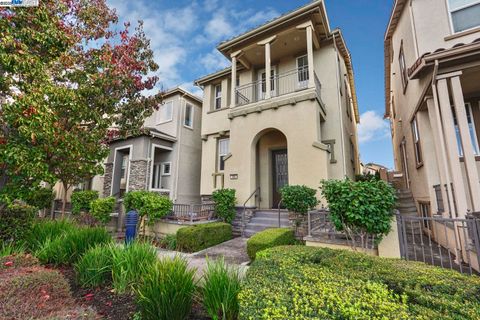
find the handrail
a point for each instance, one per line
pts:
(245, 209)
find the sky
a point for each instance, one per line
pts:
(184, 35)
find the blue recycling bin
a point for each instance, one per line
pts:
(131, 226)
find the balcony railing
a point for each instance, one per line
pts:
(285, 83)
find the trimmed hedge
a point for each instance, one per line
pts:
(16, 222)
(81, 200)
(297, 282)
(202, 236)
(269, 238)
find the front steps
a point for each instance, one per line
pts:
(263, 219)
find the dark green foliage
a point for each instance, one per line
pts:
(269, 238)
(305, 282)
(148, 204)
(46, 231)
(101, 209)
(169, 242)
(41, 198)
(220, 290)
(94, 268)
(167, 291)
(299, 199)
(67, 249)
(81, 200)
(16, 222)
(202, 236)
(367, 177)
(364, 207)
(225, 201)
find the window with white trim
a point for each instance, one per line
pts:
(218, 96)
(166, 168)
(223, 151)
(302, 66)
(471, 129)
(156, 177)
(403, 67)
(188, 120)
(165, 112)
(416, 142)
(464, 14)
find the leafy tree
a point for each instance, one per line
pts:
(299, 199)
(360, 208)
(68, 74)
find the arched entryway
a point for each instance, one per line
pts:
(271, 165)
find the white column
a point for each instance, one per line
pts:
(234, 82)
(440, 153)
(467, 146)
(268, 71)
(452, 148)
(311, 74)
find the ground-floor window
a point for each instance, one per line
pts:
(223, 151)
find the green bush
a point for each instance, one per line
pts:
(225, 201)
(220, 290)
(130, 264)
(148, 204)
(202, 236)
(102, 208)
(43, 231)
(67, 249)
(41, 198)
(167, 291)
(81, 200)
(269, 238)
(306, 283)
(360, 208)
(16, 221)
(94, 269)
(299, 199)
(169, 242)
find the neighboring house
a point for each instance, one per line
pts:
(373, 168)
(164, 158)
(284, 113)
(432, 87)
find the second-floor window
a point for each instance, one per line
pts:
(416, 142)
(465, 14)
(218, 96)
(471, 129)
(188, 121)
(165, 113)
(302, 65)
(403, 68)
(223, 151)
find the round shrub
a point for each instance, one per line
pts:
(202, 236)
(269, 238)
(41, 198)
(148, 204)
(299, 199)
(81, 200)
(16, 221)
(102, 208)
(225, 201)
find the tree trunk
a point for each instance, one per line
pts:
(64, 198)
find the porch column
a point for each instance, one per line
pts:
(234, 82)
(440, 153)
(467, 146)
(268, 65)
(452, 148)
(311, 74)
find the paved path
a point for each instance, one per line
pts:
(234, 252)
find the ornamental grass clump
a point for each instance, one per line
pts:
(43, 231)
(94, 269)
(220, 290)
(130, 264)
(167, 291)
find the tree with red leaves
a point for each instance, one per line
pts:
(68, 74)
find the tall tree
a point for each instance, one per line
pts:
(68, 74)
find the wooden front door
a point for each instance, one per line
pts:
(280, 174)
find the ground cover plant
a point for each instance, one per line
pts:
(311, 283)
(202, 236)
(269, 238)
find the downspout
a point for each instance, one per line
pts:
(342, 137)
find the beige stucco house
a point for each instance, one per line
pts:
(284, 113)
(432, 83)
(164, 158)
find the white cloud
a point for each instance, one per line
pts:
(214, 61)
(193, 89)
(372, 127)
(218, 28)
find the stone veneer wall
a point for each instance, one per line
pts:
(107, 181)
(138, 175)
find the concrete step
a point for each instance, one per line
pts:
(261, 227)
(270, 214)
(269, 220)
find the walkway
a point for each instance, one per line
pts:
(234, 252)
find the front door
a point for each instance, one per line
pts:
(262, 83)
(280, 174)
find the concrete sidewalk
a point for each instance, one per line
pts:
(234, 252)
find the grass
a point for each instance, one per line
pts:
(220, 290)
(167, 291)
(94, 269)
(44, 231)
